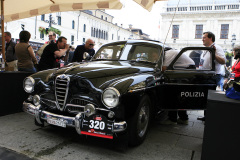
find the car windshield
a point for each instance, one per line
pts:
(109, 52)
(127, 52)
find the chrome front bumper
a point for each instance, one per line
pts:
(41, 115)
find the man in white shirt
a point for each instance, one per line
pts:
(183, 61)
(220, 58)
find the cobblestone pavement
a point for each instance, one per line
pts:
(19, 137)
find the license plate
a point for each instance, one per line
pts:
(97, 125)
(57, 122)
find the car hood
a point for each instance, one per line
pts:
(98, 69)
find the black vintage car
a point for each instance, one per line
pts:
(119, 91)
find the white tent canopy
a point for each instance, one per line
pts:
(19, 9)
(147, 4)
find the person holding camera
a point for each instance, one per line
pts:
(53, 53)
(236, 67)
(81, 49)
(232, 84)
(235, 74)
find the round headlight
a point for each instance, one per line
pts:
(110, 97)
(36, 100)
(28, 84)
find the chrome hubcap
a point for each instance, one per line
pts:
(143, 119)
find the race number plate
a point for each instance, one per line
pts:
(56, 121)
(97, 125)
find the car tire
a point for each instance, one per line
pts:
(139, 123)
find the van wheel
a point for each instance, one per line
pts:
(139, 123)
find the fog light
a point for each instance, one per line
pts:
(111, 114)
(30, 98)
(89, 110)
(36, 100)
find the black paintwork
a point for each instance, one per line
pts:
(133, 79)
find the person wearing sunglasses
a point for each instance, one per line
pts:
(81, 49)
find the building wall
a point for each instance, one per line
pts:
(210, 19)
(80, 18)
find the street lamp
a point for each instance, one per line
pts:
(50, 21)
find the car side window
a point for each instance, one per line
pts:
(143, 53)
(193, 60)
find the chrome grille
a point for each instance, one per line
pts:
(61, 90)
(75, 108)
(49, 103)
(76, 105)
(79, 102)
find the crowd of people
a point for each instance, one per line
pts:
(53, 53)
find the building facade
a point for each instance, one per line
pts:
(183, 24)
(76, 26)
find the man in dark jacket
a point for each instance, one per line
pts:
(87, 47)
(53, 52)
(11, 58)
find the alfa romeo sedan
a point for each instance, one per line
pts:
(119, 90)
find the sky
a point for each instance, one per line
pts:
(133, 13)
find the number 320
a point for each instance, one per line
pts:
(97, 125)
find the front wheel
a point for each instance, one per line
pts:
(139, 123)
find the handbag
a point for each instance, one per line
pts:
(232, 93)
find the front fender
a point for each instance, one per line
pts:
(132, 90)
(44, 76)
(132, 83)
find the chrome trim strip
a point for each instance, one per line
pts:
(102, 109)
(119, 126)
(135, 90)
(75, 105)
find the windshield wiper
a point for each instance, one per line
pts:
(106, 60)
(141, 61)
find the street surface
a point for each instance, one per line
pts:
(19, 137)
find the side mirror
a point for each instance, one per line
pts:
(86, 56)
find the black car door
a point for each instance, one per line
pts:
(187, 88)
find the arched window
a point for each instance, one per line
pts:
(42, 35)
(72, 39)
(94, 32)
(99, 36)
(59, 21)
(97, 33)
(43, 17)
(73, 24)
(84, 28)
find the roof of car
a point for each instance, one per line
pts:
(141, 41)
